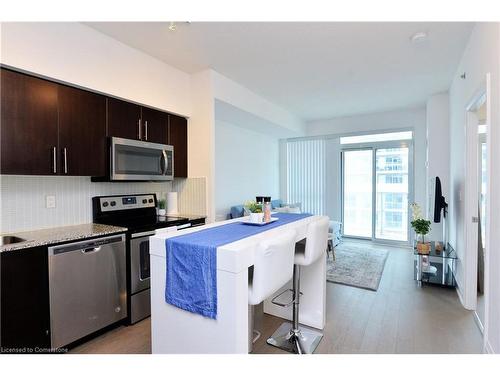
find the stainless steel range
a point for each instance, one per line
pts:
(138, 214)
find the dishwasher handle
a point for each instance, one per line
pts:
(89, 246)
(88, 250)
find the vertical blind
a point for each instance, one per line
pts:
(306, 174)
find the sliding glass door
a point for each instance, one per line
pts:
(391, 186)
(376, 191)
(358, 202)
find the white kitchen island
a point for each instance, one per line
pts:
(178, 331)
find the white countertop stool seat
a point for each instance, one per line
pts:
(272, 268)
(290, 336)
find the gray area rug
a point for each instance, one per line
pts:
(357, 266)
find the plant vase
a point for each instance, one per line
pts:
(256, 217)
(162, 212)
(423, 247)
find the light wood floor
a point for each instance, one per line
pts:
(399, 318)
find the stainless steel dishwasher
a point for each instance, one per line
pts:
(87, 283)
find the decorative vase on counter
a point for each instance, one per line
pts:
(256, 217)
(162, 203)
(254, 210)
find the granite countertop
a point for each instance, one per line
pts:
(191, 216)
(60, 234)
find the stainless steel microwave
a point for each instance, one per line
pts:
(140, 161)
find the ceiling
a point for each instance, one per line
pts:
(314, 70)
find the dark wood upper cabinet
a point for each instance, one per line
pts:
(155, 126)
(124, 119)
(49, 128)
(82, 132)
(177, 136)
(28, 125)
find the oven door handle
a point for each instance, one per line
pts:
(142, 234)
(183, 226)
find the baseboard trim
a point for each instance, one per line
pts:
(460, 297)
(478, 322)
(488, 348)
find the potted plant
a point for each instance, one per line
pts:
(162, 205)
(255, 209)
(421, 227)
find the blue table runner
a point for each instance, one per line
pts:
(191, 277)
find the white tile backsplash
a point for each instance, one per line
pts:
(23, 199)
(191, 195)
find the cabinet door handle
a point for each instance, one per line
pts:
(139, 126)
(54, 159)
(146, 130)
(65, 153)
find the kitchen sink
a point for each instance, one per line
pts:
(7, 240)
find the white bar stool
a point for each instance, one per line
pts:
(272, 268)
(290, 336)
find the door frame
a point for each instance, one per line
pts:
(411, 184)
(471, 194)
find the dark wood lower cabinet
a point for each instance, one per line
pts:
(25, 322)
(177, 131)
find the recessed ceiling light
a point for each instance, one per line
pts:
(419, 37)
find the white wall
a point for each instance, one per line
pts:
(80, 55)
(201, 135)
(216, 97)
(369, 123)
(481, 56)
(438, 158)
(246, 165)
(231, 92)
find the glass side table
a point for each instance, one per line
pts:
(437, 267)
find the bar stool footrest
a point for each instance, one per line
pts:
(286, 304)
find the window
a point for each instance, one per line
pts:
(389, 162)
(381, 137)
(393, 220)
(393, 201)
(393, 178)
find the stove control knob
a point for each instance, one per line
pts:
(105, 204)
(144, 201)
(113, 203)
(150, 200)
